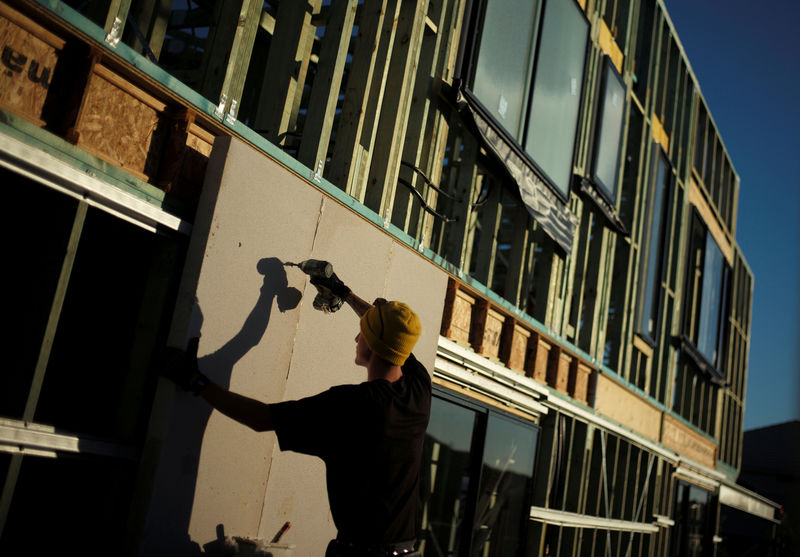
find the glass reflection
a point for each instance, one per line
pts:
(557, 88)
(504, 495)
(711, 301)
(445, 477)
(501, 73)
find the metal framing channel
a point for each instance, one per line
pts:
(575, 520)
(51, 171)
(26, 438)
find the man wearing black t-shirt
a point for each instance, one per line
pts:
(369, 435)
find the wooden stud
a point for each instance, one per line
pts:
(488, 221)
(152, 18)
(55, 313)
(458, 240)
(407, 211)
(698, 200)
(362, 86)
(221, 49)
(327, 83)
(609, 46)
(281, 81)
(390, 138)
(116, 17)
(516, 275)
(247, 24)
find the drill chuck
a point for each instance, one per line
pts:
(320, 271)
(316, 268)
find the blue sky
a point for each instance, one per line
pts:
(746, 58)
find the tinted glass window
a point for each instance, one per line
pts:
(553, 118)
(653, 272)
(445, 477)
(476, 481)
(711, 302)
(609, 135)
(503, 68)
(504, 495)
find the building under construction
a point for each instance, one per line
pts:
(541, 180)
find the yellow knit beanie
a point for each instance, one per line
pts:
(391, 329)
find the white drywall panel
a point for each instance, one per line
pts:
(416, 281)
(258, 337)
(324, 356)
(213, 471)
(374, 265)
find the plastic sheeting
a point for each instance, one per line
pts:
(545, 207)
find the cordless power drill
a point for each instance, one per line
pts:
(331, 292)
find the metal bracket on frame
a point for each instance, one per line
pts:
(115, 34)
(228, 117)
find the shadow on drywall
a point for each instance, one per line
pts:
(172, 505)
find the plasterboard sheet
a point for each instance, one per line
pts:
(324, 355)
(261, 336)
(253, 216)
(416, 281)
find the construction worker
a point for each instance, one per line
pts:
(369, 435)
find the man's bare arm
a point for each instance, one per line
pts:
(253, 413)
(359, 305)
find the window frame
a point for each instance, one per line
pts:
(484, 414)
(609, 71)
(690, 321)
(658, 154)
(465, 75)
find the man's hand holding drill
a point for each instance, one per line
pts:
(332, 292)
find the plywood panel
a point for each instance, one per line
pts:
(323, 346)
(519, 347)
(542, 358)
(627, 408)
(323, 355)
(415, 280)
(580, 376)
(28, 60)
(559, 372)
(245, 305)
(120, 123)
(689, 443)
(492, 333)
(461, 317)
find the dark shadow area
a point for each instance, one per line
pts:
(219, 364)
(168, 534)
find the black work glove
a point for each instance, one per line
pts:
(180, 366)
(333, 284)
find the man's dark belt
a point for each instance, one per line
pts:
(350, 548)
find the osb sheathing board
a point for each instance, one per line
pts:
(519, 348)
(462, 317)
(619, 404)
(120, 123)
(29, 56)
(689, 443)
(264, 339)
